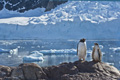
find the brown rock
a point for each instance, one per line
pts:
(12, 78)
(18, 72)
(55, 72)
(4, 71)
(29, 71)
(66, 71)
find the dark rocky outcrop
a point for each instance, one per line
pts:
(5, 71)
(1, 4)
(29, 72)
(66, 71)
(25, 5)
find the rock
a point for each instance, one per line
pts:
(11, 78)
(77, 70)
(18, 72)
(4, 71)
(50, 6)
(55, 72)
(82, 71)
(29, 71)
(1, 4)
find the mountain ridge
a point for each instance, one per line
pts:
(26, 5)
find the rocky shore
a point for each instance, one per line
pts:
(77, 70)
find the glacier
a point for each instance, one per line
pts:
(93, 20)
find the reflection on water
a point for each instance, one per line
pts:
(26, 46)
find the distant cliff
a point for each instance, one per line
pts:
(25, 5)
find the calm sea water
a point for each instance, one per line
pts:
(111, 50)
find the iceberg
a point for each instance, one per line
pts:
(117, 49)
(10, 51)
(4, 51)
(35, 56)
(36, 52)
(14, 51)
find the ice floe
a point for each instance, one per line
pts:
(34, 56)
(11, 51)
(61, 51)
(117, 49)
(4, 51)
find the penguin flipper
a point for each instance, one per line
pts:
(93, 53)
(77, 48)
(100, 54)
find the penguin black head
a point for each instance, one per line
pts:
(82, 40)
(95, 43)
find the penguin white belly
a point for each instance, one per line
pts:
(96, 56)
(81, 50)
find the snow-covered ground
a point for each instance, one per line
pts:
(72, 20)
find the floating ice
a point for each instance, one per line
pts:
(31, 58)
(35, 56)
(37, 52)
(112, 64)
(5, 51)
(14, 51)
(101, 46)
(11, 51)
(61, 51)
(117, 49)
(89, 52)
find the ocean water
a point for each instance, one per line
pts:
(110, 51)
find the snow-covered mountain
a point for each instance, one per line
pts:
(21, 6)
(71, 20)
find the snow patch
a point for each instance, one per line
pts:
(4, 13)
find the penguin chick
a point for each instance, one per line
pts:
(96, 53)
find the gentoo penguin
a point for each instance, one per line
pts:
(96, 53)
(81, 49)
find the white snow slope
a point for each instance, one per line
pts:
(72, 20)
